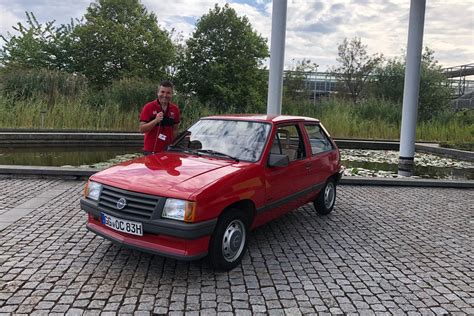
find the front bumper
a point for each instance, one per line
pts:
(165, 237)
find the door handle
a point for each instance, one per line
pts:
(307, 165)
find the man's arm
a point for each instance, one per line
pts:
(146, 127)
(175, 130)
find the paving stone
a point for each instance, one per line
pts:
(8, 308)
(60, 308)
(25, 309)
(15, 300)
(75, 312)
(124, 309)
(111, 307)
(373, 255)
(44, 305)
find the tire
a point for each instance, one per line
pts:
(229, 242)
(326, 199)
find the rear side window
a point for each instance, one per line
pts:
(318, 139)
(288, 141)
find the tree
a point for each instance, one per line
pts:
(222, 62)
(295, 80)
(355, 66)
(121, 39)
(38, 46)
(434, 94)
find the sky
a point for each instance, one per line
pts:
(314, 27)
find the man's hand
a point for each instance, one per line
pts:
(159, 118)
(146, 127)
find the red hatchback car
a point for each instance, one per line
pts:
(220, 178)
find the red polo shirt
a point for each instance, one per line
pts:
(153, 142)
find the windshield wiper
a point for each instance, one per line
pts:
(216, 153)
(182, 149)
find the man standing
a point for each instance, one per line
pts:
(159, 120)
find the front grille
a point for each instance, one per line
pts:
(139, 205)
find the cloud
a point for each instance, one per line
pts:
(47, 10)
(314, 27)
(335, 8)
(7, 20)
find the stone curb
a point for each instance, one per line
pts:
(84, 173)
(407, 182)
(75, 139)
(40, 171)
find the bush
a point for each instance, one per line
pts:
(434, 94)
(374, 109)
(128, 94)
(22, 84)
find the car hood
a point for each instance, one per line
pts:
(166, 174)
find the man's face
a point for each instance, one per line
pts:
(165, 94)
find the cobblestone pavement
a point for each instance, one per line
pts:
(14, 191)
(383, 250)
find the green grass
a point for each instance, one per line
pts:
(373, 119)
(462, 146)
(49, 99)
(369, 120)
(65, 114)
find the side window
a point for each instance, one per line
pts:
(318, 139)
(288, 141)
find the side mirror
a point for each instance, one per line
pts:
(277, 160)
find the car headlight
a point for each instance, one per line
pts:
(179, 209)
(92, 190)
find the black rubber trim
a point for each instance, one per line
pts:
(289, 198)
(406, 158)
(161, 226)
(148, 250)
(410, 170)
(339, 176)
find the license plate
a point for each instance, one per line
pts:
(122, 225)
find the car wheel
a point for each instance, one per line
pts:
(229, 241)
(326, 199)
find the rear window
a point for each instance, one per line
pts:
(318, 139)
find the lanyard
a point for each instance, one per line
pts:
(165, 113)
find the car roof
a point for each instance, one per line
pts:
(263, 118)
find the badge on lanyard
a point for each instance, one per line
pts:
(162, 137)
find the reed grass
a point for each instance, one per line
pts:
(343, 120)
(65, 114)
(51, 99)
(368, 120)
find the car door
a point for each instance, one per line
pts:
(323, 154)
(287, 187)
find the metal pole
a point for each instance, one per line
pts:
(277, 56)
(411, 87)
(43, 112)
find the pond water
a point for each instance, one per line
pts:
(384, 163)
(369, 163)
(60, 156)
(383, 169)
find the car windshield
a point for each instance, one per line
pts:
(239, 140)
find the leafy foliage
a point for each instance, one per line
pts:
(26, 83)
(222, 62)
(38, 46)
(355, 66)
(434, 92)
(121, 39)
(294, 80)
(127, 93)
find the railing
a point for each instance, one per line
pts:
(325, 83)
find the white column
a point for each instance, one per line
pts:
(412, 86)
(277, 57)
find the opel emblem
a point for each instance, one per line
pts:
(121, 203)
